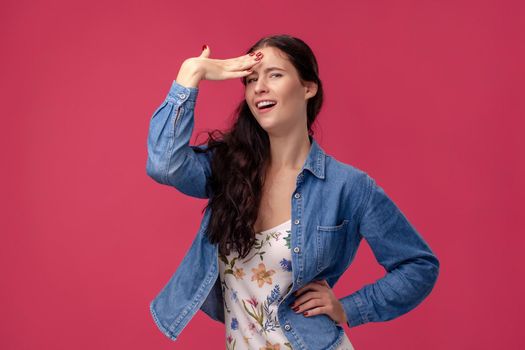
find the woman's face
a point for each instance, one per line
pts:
(276, 79)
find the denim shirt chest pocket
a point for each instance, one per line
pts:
(331, 239)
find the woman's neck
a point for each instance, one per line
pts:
(288, 152)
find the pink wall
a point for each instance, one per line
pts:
(423, 95)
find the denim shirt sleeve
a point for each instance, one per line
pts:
(171, 160)
(411, 266)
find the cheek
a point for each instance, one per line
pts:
(292, 97)
(247, 98)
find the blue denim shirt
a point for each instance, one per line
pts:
(334, 206)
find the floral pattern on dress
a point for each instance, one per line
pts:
(253, 288)
(261, 275)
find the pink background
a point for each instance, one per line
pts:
(425, 96)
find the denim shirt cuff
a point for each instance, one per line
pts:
(183, 93)
(354, 309)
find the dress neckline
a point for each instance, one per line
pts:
(275, 227)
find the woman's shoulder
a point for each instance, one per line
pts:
(338, 168)
(349, 181)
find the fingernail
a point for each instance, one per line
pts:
(204, 47)
(296, 308)
(258, 58)
(252, 53)
(259, 53)
(305, 313)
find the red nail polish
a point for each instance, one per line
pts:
(204, 47)
(259, 53)
(305, 313)
(252, 53)
(258, 58)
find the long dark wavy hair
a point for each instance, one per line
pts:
(240, 156)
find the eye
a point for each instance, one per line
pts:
(273, 74)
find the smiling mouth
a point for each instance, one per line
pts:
(266, 108)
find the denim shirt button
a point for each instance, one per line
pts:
(182, 95)
(287, 327)
(296, 250)
(297, 195)
(296, 222)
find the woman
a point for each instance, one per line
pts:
(284, 219)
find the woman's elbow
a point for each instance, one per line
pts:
(154, 171)
(429, 274)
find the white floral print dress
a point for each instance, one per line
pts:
(251, 288)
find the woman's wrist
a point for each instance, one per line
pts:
(342, 319)
(189, 75)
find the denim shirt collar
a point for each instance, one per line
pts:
(315, 162)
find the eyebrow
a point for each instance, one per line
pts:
(270, 69)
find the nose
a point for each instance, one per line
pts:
(260, 86)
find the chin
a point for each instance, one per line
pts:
(269, 127)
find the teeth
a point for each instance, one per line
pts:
(265, 103)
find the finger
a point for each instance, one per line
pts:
(241, 58)
(315, 311)
(309, 286)
(251, 65)
(310, 304)
(205, 51)
(239, 74)
(323, 283)
(248, 56)
(251, 55)
(304, 298)
(240, 65)
(236, 63)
